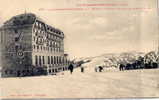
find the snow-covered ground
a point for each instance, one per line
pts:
(108, 84)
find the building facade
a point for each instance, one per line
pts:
(31, 47)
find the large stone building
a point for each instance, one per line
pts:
(31, 47)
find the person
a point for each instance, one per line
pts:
(70, 68)
(120, 67)
(82, 69)
(100, 68)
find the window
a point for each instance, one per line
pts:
(16, 39)
(51, 49)
(49, 70)
(57, 60)
(63, 60)
(41, 47)
(51, 60)
(54, 60)
(43, 60)
(55, 70)
(37, 47)
(40, 60)
(36, 60)
(48, 59)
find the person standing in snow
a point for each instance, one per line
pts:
(100, 68)
(121, 67)
(70, 68)
(82, 69)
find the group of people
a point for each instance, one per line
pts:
(71, 68)
(137, 65)
(97, 69)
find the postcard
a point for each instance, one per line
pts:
(79, 49)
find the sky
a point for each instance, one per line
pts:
(95, 30)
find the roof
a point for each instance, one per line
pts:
(22, 19)
(27, 19)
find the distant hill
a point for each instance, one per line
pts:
(112, 59)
